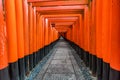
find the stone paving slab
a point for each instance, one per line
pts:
(49, 76)
(60, 68)
(65, 61)
(61, 53)
(61, 57)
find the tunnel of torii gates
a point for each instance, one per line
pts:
(30, 28)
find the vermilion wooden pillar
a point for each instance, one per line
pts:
(51, 34)
(81, 43)
(26, 35)
(12, 39)
(20, 38)
(99, 26)
(106, 39)
(35, 31)
(41, 32)
(37, 38)
(80, 30)
(30, 18)
(73, 33)
(77, 32)
(4, 74)
(54, 34)
(40, 26)
(83, 38)
(39, 35)
(115, 40)
(38, 31)
(46, 32)
(93, 39)
(90, 34)
(34, 37)
(43, 35)
(69, 34)
(86, 35)
(46, 35)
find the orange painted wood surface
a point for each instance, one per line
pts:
(11, 30)
(81, 32)
(38, 30)
(57, 3)
(86, 29)
(99, 26)
(34, 30)
(41, 37)
(46, 32)
(93, 30)
(30, 11)
(106, 32)
(114, 34)
(19, 27)
(26, 27)
(3, 40)
(43, 32)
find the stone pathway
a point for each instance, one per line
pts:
(62, 65)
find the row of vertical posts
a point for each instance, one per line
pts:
(98, 37)
(22, 36)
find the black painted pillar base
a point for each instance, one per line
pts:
(86, 58)
(77, 49)
(82, 54)
(114, 74)
(51, 46)
(38, 57)
(4, 75)
(40, 54)
(14, 71)
(31, 62)
(106, 71)
(34, 59)
(90, 61)
(47, 49)
(94, 65)
(21, 65)
(79, 52)
(43, 53)
(99, 68)
(26, 59)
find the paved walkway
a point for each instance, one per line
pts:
(63, 66)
